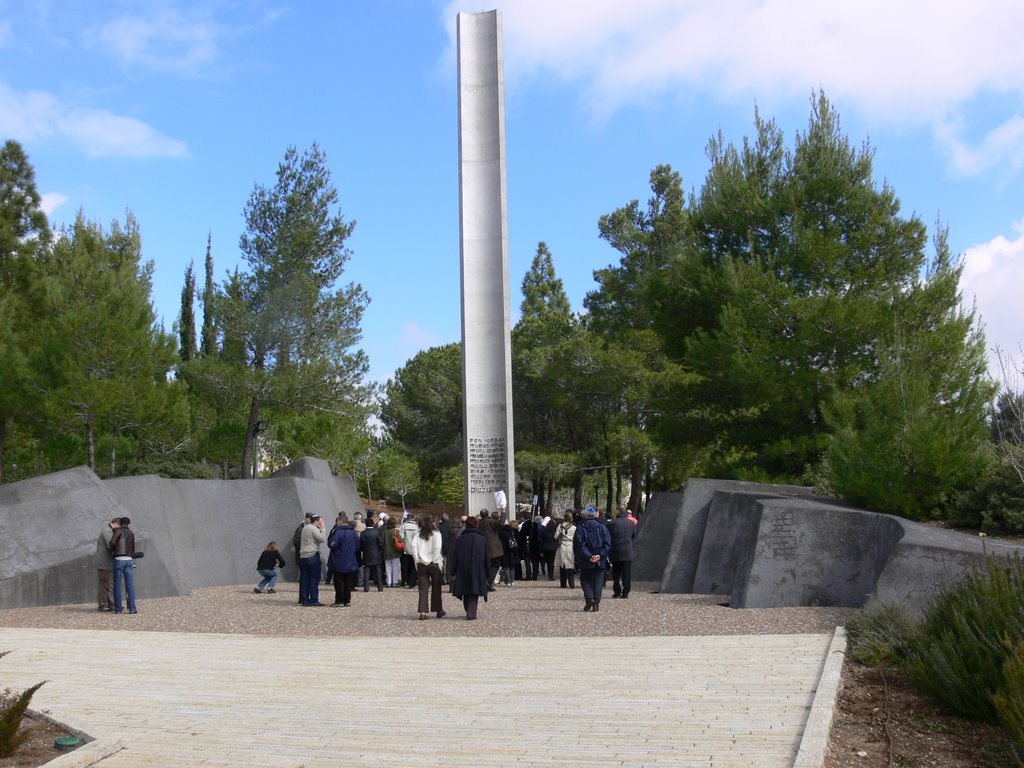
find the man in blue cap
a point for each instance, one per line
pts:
(592, 543)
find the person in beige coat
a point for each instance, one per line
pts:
(565, 560)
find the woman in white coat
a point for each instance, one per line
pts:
(427, 553)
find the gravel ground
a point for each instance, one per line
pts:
(527, 609)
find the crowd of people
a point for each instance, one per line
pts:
(485, 551)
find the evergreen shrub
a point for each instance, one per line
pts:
(996, 505)
(966, 637)
(1009, 702)
(881, 634)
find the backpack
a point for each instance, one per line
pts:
(513, 544)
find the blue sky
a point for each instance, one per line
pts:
(174, 109)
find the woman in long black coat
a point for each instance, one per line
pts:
(471, 567)
(549, 546)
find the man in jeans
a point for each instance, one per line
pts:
(122, 548)
(310, 565)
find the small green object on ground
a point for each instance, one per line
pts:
(66, 743)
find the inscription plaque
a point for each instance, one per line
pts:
(488, 464)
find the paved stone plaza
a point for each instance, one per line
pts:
(185, 699)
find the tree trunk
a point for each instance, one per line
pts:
(551, 497)
(250, 439)
(90, 438)
(636, 487)
(577, 492)
(648, 483)
(618, 485)
(3, 446)
(609, 490)
(113, 453)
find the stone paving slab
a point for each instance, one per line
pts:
(170, 699)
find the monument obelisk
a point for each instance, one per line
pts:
(483, 236)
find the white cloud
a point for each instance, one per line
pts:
(911, 62)
(37, 115)
(1002, 147)
(164, 40)
(993, 274)
(51, 201)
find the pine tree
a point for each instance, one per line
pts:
(24, 234)
(107, 356)
(209, 340)
(907, 439)
(784, 283)
(187, 317)
(296, 326)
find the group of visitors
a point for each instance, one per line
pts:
(487, 551)
(115, 564)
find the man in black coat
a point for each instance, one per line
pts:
(472, 567)
(623, 531)
(488, 525)
(525, 543)
(371, 548)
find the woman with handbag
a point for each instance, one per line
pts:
(427, 554)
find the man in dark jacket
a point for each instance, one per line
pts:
(525, 548)
(488, 525)
(344, 559)
(371, 544)
(472, 567)
(122, 548)
(623, 531)
(592, 543)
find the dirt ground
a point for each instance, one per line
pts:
(881, 722)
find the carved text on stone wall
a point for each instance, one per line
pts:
(488, 464)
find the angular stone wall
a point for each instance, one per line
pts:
(195, 533)
(759, 546)
(766, 546)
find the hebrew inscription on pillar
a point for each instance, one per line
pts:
(488, 464)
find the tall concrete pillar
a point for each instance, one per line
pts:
(486, 341)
